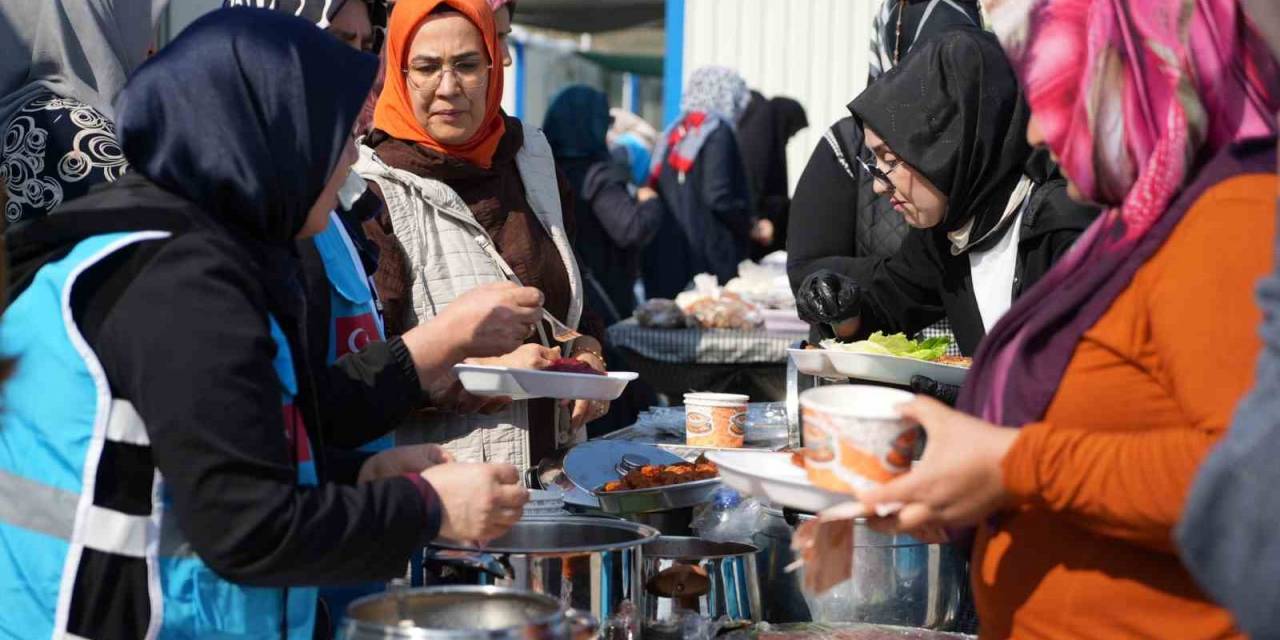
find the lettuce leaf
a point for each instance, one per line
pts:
(898, 344)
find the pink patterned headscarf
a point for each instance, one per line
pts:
(1133, 97)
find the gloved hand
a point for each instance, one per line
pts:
(940, 391)
(828, 298)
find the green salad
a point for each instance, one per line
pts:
(898, 344)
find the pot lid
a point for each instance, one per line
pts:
(593, 463)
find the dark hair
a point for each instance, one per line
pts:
(511, 8)
(443, 9)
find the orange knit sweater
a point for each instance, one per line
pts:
(1101, 481)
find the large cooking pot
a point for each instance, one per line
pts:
(462, 613)
(586, 563)
(897, 580)
(715, 579)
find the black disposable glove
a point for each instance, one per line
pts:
(940, 391)
(828, 298)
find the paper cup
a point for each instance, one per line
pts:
(715, 420)
(854, 437)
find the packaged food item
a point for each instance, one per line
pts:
(660, 313)
(715, 419)
(854, 436)
(727, 311)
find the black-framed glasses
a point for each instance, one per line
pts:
(427, 77)
(881, 176)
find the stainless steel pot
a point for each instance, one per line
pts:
(462, 613)
(715, 579)
(897, 580)
(587, 564)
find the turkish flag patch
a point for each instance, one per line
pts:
(355, 333)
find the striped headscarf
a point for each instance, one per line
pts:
(1133, 97)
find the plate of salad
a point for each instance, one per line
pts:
(894, 359)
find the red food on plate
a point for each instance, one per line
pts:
(569, 365)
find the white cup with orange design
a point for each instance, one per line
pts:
(717, 420)
(854, 437)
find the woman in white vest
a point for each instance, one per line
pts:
(472, 196)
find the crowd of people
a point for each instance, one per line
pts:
(240, 269)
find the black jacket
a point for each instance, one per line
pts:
(836, 217)
(837, 220)
(707, 226)
(612, 230)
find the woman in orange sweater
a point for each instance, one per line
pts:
(1104, 387)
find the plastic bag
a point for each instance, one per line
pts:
(660, 313)
(729, 518)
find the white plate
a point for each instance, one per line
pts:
(814, 362)
(770, 475)
(523, 384)
(891, 369)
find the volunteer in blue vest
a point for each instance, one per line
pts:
(153, 453)
(344, 315)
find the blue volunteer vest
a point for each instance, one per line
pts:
(354, 321)
(62, 537)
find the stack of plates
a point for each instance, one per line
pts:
(544, 504)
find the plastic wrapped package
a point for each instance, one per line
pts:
(660, 313)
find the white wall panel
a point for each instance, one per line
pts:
(814, 51)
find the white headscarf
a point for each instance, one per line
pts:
(80, 49)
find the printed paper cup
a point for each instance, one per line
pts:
(854, 437)
(715, 420)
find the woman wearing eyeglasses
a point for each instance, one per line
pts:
(988, 217)
(472, 196)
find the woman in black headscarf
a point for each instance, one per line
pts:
(948, 129)
(764, 129)
(836, 219)
(613, 225)
(179, 355)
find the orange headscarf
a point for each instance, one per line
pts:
(394, 112)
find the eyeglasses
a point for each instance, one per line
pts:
(427, 77)
(881, 176)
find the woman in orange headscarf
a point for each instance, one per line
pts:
(472, 197)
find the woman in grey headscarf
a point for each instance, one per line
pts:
(698, 171)
(61, 66)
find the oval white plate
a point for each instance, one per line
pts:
(771, 476)
(892, 369)
(813, 362)
(523, 384)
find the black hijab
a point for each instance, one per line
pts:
(954, 112)
(246, 115)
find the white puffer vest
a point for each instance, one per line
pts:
(449, 254)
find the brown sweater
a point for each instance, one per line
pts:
(1102, 480)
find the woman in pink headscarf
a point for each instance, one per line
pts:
(1104, 387)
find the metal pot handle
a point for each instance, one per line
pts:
(492, 564)
(582, 625)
